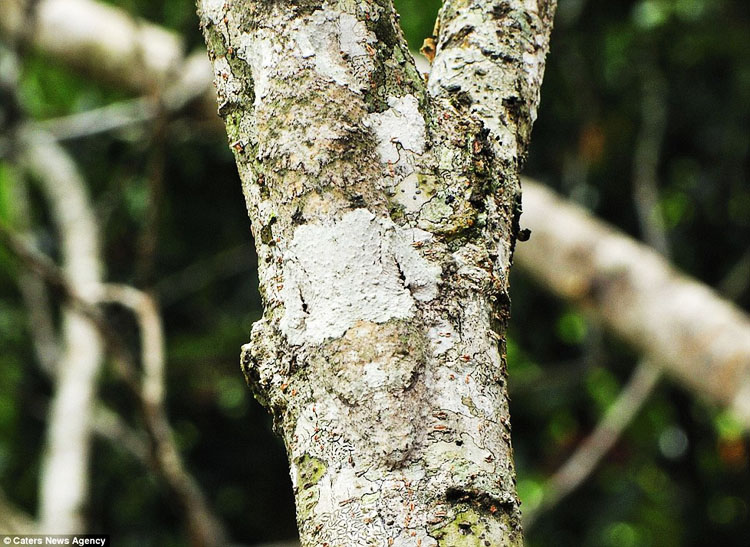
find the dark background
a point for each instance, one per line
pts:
(680, 473)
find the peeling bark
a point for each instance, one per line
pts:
(384, 213)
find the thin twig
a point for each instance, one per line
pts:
(64, 473)
(109, 425)
(149, 235)
(112, 117)
(203, 523)
(588, 455)
(646, 160)
(104, 422)
(644, 380)
(204, 527)
(193, 83)
(33, 290)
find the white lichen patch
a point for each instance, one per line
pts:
(264, 57)
(402, 125)
(353, 36)
(214, 10)
(333, 41)
(304, 430)
(231, 88)
(344, 484)
(409, 195)
(470, 452)
(374, 374)
(419, 275)
(442, 337)
(358, 268)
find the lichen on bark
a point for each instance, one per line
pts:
(384, 211)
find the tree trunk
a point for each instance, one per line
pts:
(385, 211)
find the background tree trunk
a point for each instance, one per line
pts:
(385, 212)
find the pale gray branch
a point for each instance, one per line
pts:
(101, 39)
(109, 425)
(112, 117)
(590, 453)
(700, 339)
(490, 55)
(64, 474)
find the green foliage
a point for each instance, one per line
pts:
(6, 193)
(571, 327)
(681, 473)
(48, 89)
(417, 19)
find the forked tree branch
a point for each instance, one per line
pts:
(64, 474)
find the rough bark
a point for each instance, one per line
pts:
(384, 214)
(700, 339)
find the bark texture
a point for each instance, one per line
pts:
(384, 211)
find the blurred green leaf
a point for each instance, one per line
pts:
(6, 193)
(572, 327)
(603, 387)
(531, 492)
(649, 14)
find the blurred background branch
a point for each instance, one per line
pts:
(594, 448)
(589, 454)
(64, 474)
(614, 74)
(205, 528)
(702, 340)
